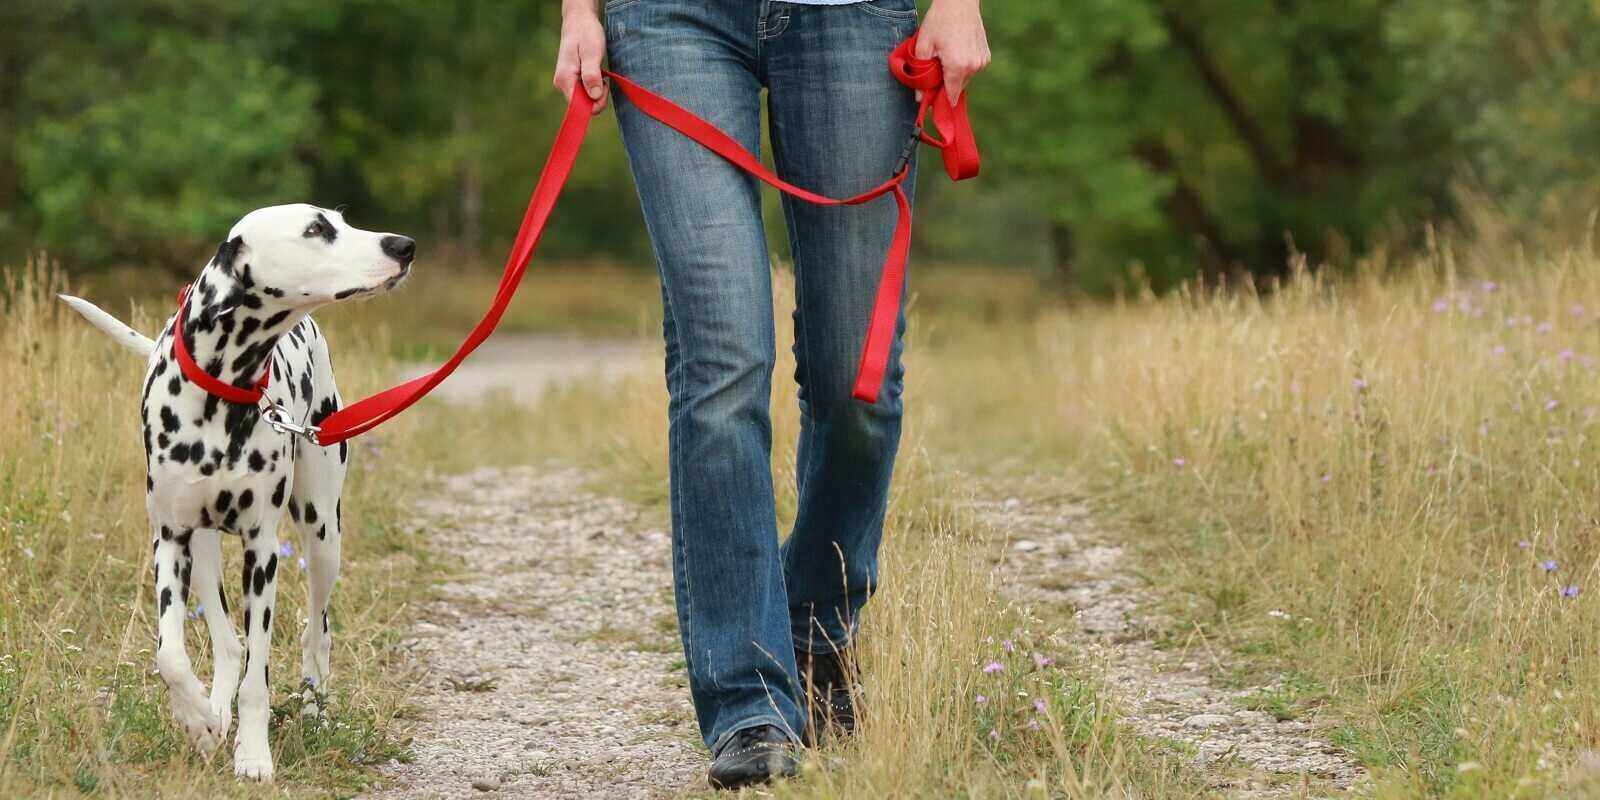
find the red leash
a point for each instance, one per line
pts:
(961, 161)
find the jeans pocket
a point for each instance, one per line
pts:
(896, 10)
(613, 5)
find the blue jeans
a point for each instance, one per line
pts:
(839, 121)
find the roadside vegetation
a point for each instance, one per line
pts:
(1380, 488)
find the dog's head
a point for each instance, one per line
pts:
(305, 256)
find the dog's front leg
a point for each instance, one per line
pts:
(187, 696)
(206, 549)
(252, 756)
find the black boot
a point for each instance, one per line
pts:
(827, 679)
(753, 755)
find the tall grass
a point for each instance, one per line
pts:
(1401, 465)
(1379, 490)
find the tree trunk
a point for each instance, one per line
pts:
(469, 182)
(1065, 250)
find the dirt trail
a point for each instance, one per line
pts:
(552, 666)
(553, 669)
(1058, 561)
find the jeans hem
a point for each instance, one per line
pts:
(823, 646)
(760, 719)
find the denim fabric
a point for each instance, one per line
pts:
(839, 122)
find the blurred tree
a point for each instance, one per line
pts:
(1211, 135)
(145, 131)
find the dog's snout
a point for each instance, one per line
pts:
(400, 248)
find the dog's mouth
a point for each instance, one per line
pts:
(390, 283)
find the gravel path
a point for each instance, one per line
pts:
(554, 671)
(553, 666)
(1058, 560)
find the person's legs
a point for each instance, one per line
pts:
(704, 219)
(839, 124)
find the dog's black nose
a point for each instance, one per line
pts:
(399, 248)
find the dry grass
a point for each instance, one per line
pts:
(1402, 465)
(1386, 460)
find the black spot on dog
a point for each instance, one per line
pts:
(277, 319)
(247, 626)
(174, 385)
(166, 533)
(257, 462)
(266, 620)
(346, 294)
(226, 253)
(322, 531)
(222, 597)
(166, 600)
(272, 567)
(277, 492)
(180, 453)
(294, 510)
(163, 441)
(169, 420)
(311, 514)
(247, 498)
(224, 500)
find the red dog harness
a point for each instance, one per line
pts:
(961, 161)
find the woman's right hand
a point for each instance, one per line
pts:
(583, 47)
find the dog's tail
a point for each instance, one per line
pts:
(125, 336)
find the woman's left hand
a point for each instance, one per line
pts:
(953, 32)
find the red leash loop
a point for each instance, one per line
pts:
(193, 371)
(959, 147)
(960, 151)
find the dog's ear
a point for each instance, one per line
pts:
(228, 252)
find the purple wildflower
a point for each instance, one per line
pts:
(1440, 306)
(1359, 384)
(1180, 462)
(1548, 566)
(980, 699)
(993, 667)
(1545, 327)
(994, 734)
(1577, 311)
(1490, 286)
(1006, 645)
(1566, 355)
(1551, 404)
(1039, 706)
(302, 563)
(1041, 661)
(1524, 544)
(1570, 591)
(286, 549)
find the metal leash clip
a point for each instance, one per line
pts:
(909, 150)
(278, 417)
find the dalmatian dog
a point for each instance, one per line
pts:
(215, 466)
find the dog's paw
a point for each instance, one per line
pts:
(252, 766)
(205, 728)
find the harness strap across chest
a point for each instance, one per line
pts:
(961, 161)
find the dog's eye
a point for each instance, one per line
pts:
(315, 230)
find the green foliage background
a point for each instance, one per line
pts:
(1155, 137)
